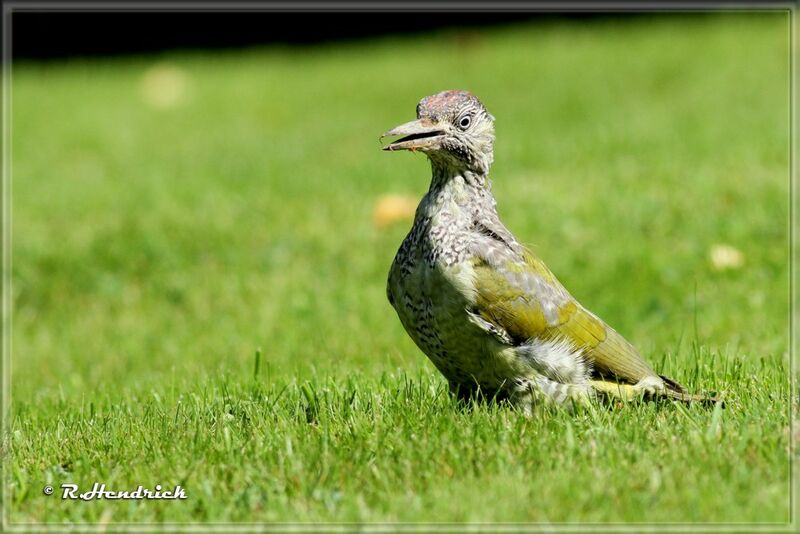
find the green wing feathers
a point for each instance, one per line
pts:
(610, 353)
(526, 301)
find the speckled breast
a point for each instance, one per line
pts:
(430, 291)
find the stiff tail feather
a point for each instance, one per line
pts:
(678, 392)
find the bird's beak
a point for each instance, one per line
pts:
(417, 135)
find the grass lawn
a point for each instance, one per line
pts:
(173, 214)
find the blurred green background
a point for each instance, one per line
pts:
(174, 212)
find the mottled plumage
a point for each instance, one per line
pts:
(483, 308)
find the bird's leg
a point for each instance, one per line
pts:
(542, 390)
(525, 396)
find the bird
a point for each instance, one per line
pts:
(487, 312)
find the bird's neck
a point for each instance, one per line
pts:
(455, 195)
(445, 175)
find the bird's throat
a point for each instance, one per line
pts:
(445, 172)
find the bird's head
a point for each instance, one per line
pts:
(452, 128)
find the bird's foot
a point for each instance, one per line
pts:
(650, 386)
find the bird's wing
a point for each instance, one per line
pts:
(519, 296)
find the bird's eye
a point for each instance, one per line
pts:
(465, 121)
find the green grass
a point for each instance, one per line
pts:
(155, 250)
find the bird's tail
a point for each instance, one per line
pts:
(672, 391)
(678, 392)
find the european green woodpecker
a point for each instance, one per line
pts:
(487, 312)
